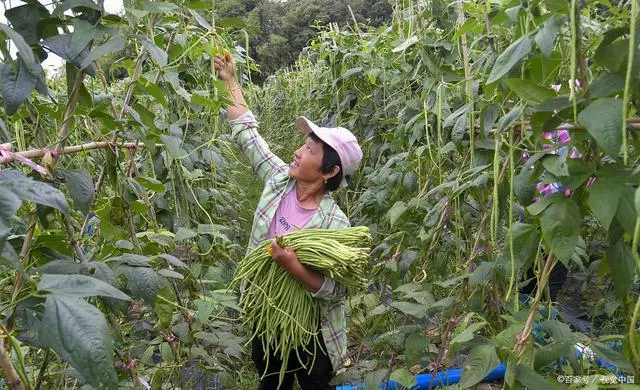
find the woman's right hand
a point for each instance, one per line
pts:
(225, 68)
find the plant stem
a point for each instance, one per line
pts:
(627, 83)
(68, 114)
(13, 379)
(542, 285)
(574, 38)
(43, 369)
(35, 153)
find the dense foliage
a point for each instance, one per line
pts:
(279, 30)
(114, 261)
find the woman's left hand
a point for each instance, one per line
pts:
(286, 257)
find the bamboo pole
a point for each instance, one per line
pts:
(35, 153)
(13, 379)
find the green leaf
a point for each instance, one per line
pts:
(508, 338)
(174, 145)
(561, 223)
(531, 379)
(167, 273)
(235, 22)
(163, 309)
(524, 186)
(131, 259)
(554, 351)
(557, 103)
(202, 100)
(71, 4)
(415, 346)
(83, 33)
(184, 234)
(482, 273)
(154, 91)
(626, 214)
(9, 257)
(482, 359)
(172, 260)
(61, 267)
(416, 310)
(613, 55)
(61, 45)
(606, 85)
(489, 115)
(457, 133)
(404, 377)
(541, 205)
(124, 244)
(556, 329)
(513, 12)
(637, 200)
(603, 351)
(201, 21)
(556, 165)
(467, 334)
(603, 120)
(604, 198)
(546, 36)
(166, 353)
(24, 20)
(621, 268)
(16, 85)
(79, 334)
(79, 286)
(352, 72)
(9, 204)
(80, 185)
(100, 270)
(26, 54)
(510, 57)
(143, 282)
(151, 184)
(158, 55)
(557, 6)
(36, 191)
(452, 281)
(205, 309)
(412, 40)
(457, 113)
(115, 44)
(530, 93)
(506, 121)
(396, 212)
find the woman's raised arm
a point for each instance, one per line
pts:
(244, 127)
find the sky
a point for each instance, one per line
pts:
(53, 61)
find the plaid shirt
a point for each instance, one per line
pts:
(275, 174)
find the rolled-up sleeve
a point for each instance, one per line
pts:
(330, 290)
(244, 132)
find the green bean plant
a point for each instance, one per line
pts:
(121, 214)
(452, 103)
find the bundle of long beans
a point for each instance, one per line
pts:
(282, 311)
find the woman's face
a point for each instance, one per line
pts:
(307, 162)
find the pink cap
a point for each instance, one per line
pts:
(341, 140)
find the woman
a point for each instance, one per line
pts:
(295, 196)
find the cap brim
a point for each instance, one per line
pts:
(305, 125)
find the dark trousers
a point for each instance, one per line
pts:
(556, 279)
(317, 378)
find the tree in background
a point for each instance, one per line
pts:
(279, 30)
